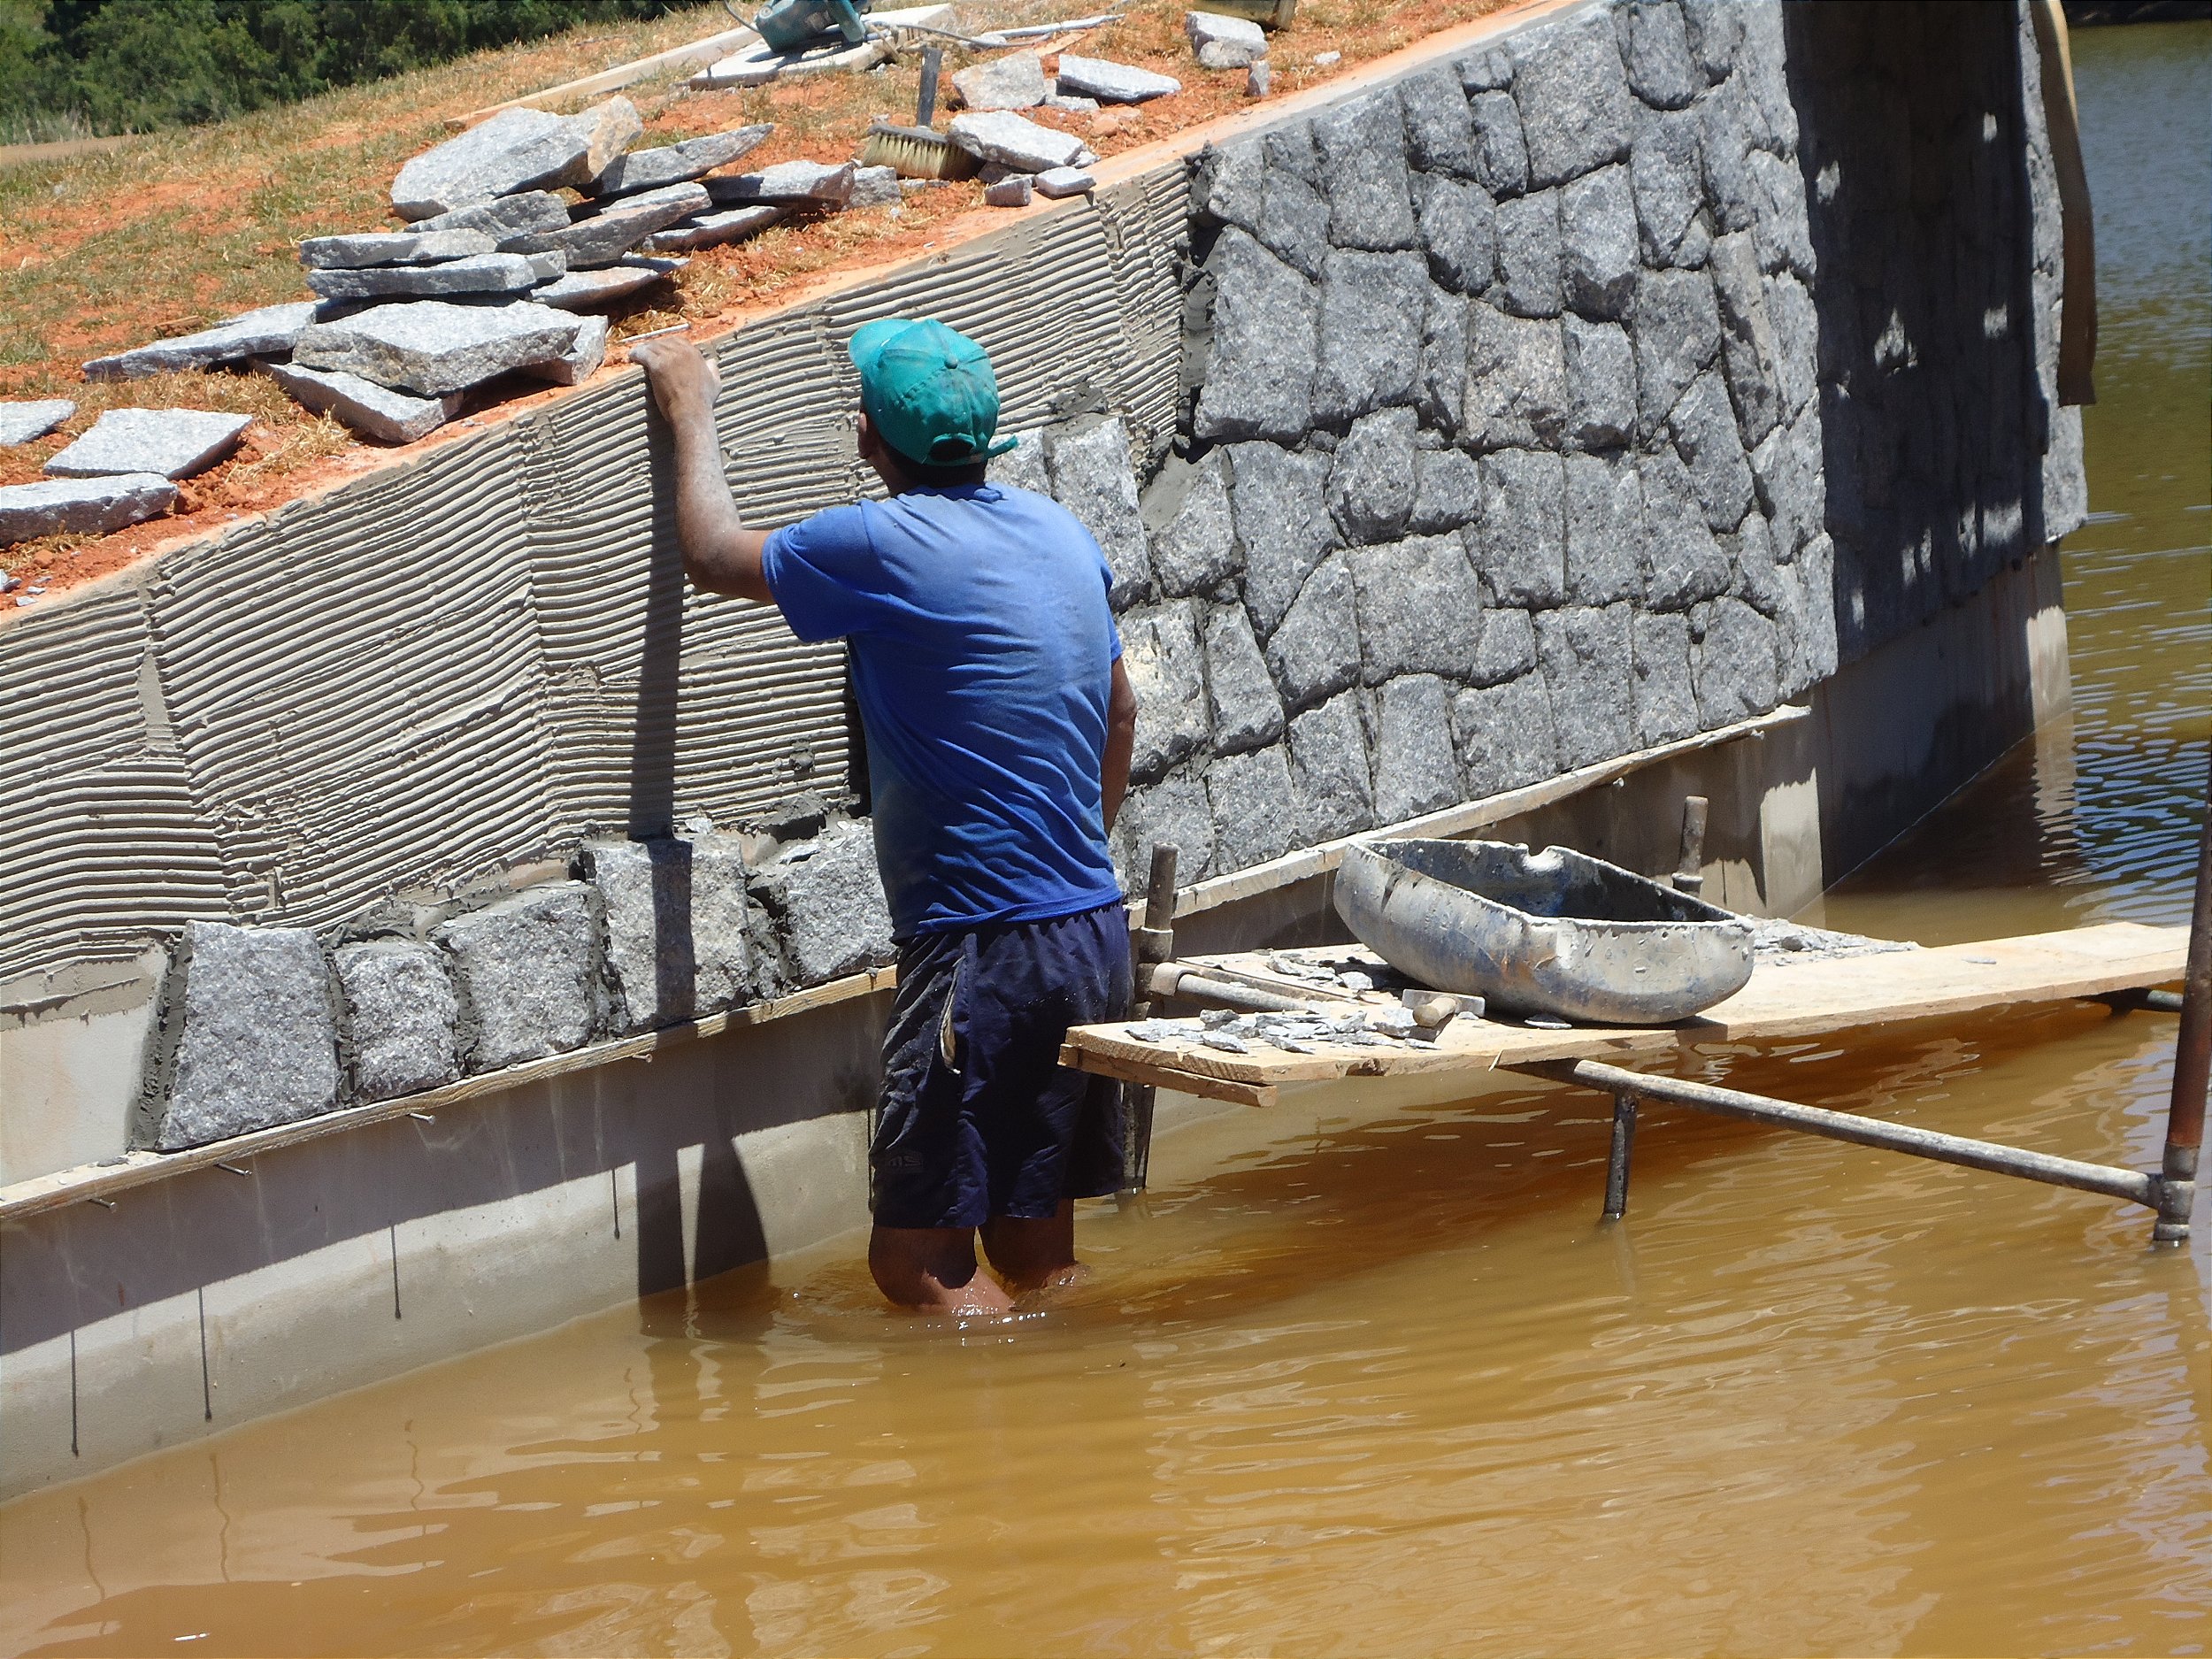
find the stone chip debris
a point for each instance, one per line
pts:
(478, 273)
(1019, 145)
(167, 443)
(675, 163)
(1110, 82)
(1016, 81)
(20, 423)
(82, 506)
(1224, 43)
(255, 333)
(375, 248)
(433, 346)
(377, 410)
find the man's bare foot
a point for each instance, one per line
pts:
(934, 1269)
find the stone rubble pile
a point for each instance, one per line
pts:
(118, 472)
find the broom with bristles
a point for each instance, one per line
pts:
(919, 151)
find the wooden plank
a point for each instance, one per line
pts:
(101, 1181)
(1142, 1071)
(621, 75)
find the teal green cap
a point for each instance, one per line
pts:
(929, 391)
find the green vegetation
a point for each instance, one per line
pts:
(69, 68)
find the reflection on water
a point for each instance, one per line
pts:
(1367, 1376)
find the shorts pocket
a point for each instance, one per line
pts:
(947, 1036)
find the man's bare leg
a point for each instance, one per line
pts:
(1029, 1255)
(933, 1269)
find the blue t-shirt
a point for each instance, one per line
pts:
(982, 650)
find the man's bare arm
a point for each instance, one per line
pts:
(720, 554)
(1121, 741)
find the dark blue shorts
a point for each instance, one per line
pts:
(977, 1117)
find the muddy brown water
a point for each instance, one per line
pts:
(1365, 1375)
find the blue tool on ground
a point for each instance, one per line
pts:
(795, 26)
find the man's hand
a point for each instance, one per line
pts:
(684, 382)
(720, 554)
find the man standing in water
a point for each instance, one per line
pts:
(999, 722)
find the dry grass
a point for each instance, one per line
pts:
(179, 230)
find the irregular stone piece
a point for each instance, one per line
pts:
(1440, 129)
(1605, 530)
(87, 506)
(1516, 381)
(1014, 192)
(1110, 82)
(1294, 216)
(1057, 183)
(876, 187)
(1732, 195)
(580, 290)
(377, 411)
(269, 332)
(1749, 350)
(1370, 478)
(1666, 695)
(1002, 136)
(1682, 562)
(1186, 516)
(677, 928)
(831, 914)
(1528, 254)
(1459, 230)
(1314, 652)
(1258, 381)
(1716, 30)
(1023, 467)
(790, 183)
(1016, 81)
(525, 968)
(674, 164)
(1597, 244)
(1282, 519)
(1736, 663)
(400, 1017)
(524, 214)
(1600, 367)
(1508, 648)
(1666, 171)
(581, 360)
(1255, 811)
(1573, 96)
(1523, 541)
(1071, 105)
(1173, 812)
(1676, 327)
(1224, 43)
(20, 423)
(1092, 479)
(1490, 70)
(606, 236)
(478, 273)
(713, 230)
(1504, 736)
(375, 248)
(1246, 710)
(1705, 436)
(608, 129)
(1656, 46)
(1420, 609)
(1160, 653)
(1328, 770)
(256, 1043)
(1447, 491)
(1791, 492)
(168, 442)
(1416, 770)
(516, 150)
(1440, 391)
(1588, 666)
(1500, 153)
(1373, 306)
(430, 347)
(1362, 150)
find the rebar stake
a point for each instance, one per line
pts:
(2192, 1062)
(1624, 1149)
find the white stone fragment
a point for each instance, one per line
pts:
(874, 187)
(20, 423)
(516, 150)
(81, 506)
(1016, 81)
(377, 411)
(268, 332)
(1224, 43)
(1022, 146)
(1056, 182)
(796, 183)
(1110, 82)
(1014, 190)
(168, 442)
(374, 248)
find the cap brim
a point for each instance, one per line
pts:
(870, 338)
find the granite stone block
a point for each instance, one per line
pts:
(1705, 435)
(586, 290)
(1314, 653)
(1750, 352)
(1605, 530)
(714, 230)
(1725, 118)
(1373, 306)
(433, 346)
(1057, 183)
(1221, 41)
(677, 928)
(1601, 371)
(1415, 769)
(814, 184)
(268, 332)
(1160, 653)
(1092, 479)
(1255, 808)
(84, 506)
(678, 163)
(1507, 649)
(1459, 230)
(1362, 147)
(1420, 609)
(1016, 81)
(1528, 254)
(1023, 467)
(1294, 221)
(400, 1018)
(1441, 395)
(527, 970)
(1598, 248)
(1683, 564)
(1676, 326)
(606, 236)
(1714, 28)
(375, 411)
(1188, 520)
(1789, 306)
(1666, 699)
(830, 914)
(1489, 70)
(20, 422)
(1371, 477)
(1572, 93)
(1173, 812)
(1504, 736)
(1736, 665)
(1447, 492)
(255, 1042)
(167, 443)
(523, 214)
(1439, 130)
(581, 360)
(1666, 173)
(1750, 548)
(1587, 660)
(1248, 711)
(609, 128)
(478, 273)
(375, 248)
(1661, 71)
(516, 150)
(1282, 519)
(1329, 777)
(1781, 228)
(1516, 381)
(1109, 82)
(1501, 151)
(1260, 361)
(1522, 548)
(1016, 143)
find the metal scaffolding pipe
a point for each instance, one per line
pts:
(2193, 1059)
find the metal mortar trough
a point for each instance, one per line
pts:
(1551, 933)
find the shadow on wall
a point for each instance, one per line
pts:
(1934, 218)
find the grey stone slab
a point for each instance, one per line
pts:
(675, 163)
(1750, 351)
(376, 248)
(1459, 231)
(1750, 548)
(1003, 136)
(524, 214)
(1254, 810)
(1224, 43)
(268, 332)
(1441, 394)
(515, 150)
(478, 273)
(582, 290)
(1666, 693)
(1587, 656)
(400, 1015)
(21, 422)
(1705, 436)
(1600, 367)
(1260, 361)
(1109, 82)
(526, 969)
(1057, 183)
(790, 184)
(1736, 666)
(255, 1042)
(581, 360)
(1282, 520)
(1415, 769)
(678, 931)
(1506, 649)
(1676, 326)
(1597, 244)
(1092, 479)
(1666, 169)
(1781, 229)
(1189, 522)
(1573, 96)
(1447, 492)
(430, 347)
(1023, 467)
(609, 128)
(1522, 547)
(830, 914)
(1724, 117)
(606, 236)
(1329, 775)
(1761, 64)
(1813, 573)
(1796, 325)
(1440, 129)
(1226, 184)
(1716, 30)
(713, 230)
(876, 187)
(1529, 254)
(1314, 652)
(1682, 562)
(1361, 145)
(1166, 667)
(376, 410)
(1173, 812)
(82, 506)
(1420, 609)
(1504, 736)
(1371, 477)
(1372, 309)
(1516, 381)
(1501, 151)
(1656, 48)
(1013, 191)
(1248, 711)
(167, 443)
(1605, 530)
